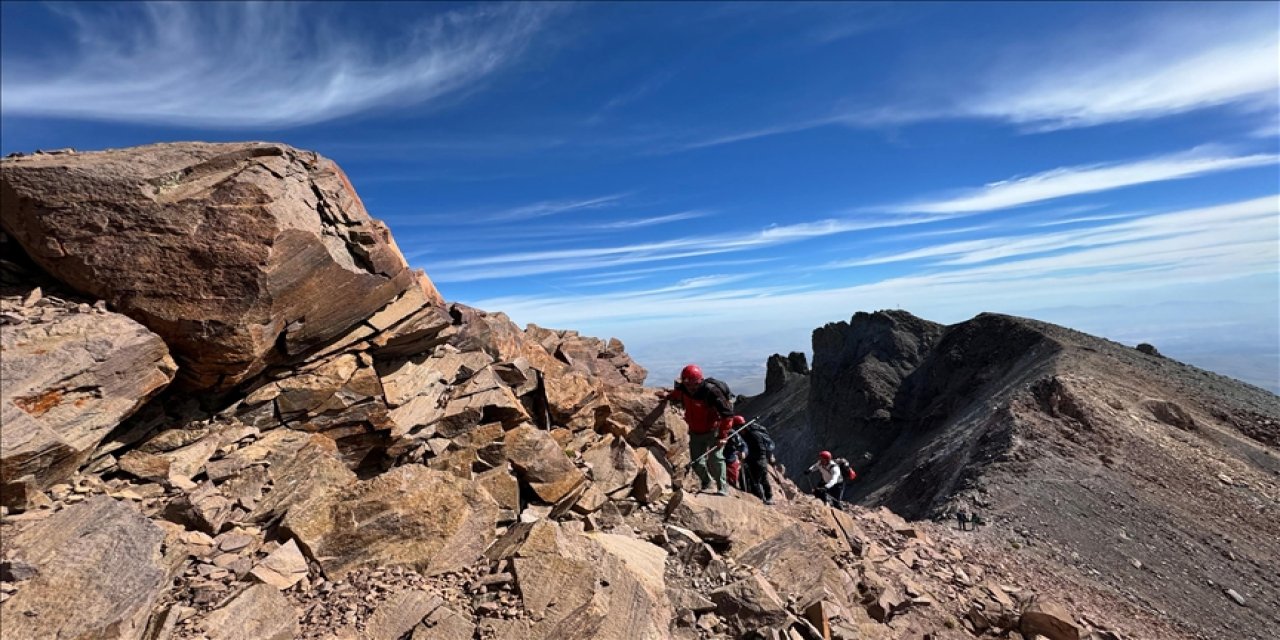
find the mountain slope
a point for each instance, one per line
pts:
(1157, 477)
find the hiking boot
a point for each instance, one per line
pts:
(724, 491)
(705, 488)
(768, 501)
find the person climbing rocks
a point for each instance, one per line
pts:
(734, 451)
(709, 414)
(831, 488)
(757, 460)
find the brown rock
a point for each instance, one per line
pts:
(502, 486)
(301, 467)
(66, 383)
(258, 613)
(283, 568)
(591, 586)
(540, 462)
(411, 516)
(444, 624)
(245, 244)
(400, 614)
(1049, 619)
(743, 523)
(99, 569)
(613, 464)
(147, 466)
(750, 603)
(654, 479)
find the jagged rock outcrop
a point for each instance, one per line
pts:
(1043, 429)
(230, 252)
(780, 370)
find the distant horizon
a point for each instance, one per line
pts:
(710, 182)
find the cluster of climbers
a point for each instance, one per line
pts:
(727, 450)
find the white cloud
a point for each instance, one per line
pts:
(1070, 181)
(1168, 251)
(1203, 57)
(1196, 223)
(563, 260)
(651, 221)
(553, 207)
(235, 65)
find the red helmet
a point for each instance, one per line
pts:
(824, 456)
(691, 373)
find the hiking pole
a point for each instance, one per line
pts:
(677, 491)
(726, 438)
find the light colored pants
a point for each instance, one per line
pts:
(712, 466)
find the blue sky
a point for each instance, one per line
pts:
(710, 182)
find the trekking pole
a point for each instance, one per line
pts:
(731, 434)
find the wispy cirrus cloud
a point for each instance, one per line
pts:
(250, 64)
(602, 257)
(1149, 68)
(1155, 67)
(635, 223)
(1077, 180)
(554, 207)
(1203, 225)
(1173, 250)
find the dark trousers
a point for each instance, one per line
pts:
(758, 478)
(833, 495)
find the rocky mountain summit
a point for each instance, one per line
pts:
(1157, 481)
(231, 411)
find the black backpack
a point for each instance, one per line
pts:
(724, 389)
(757, 434)
(847, 474)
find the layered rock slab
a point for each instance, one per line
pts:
(254, 252)
(67, 378)
(98, 570)
(411, 516)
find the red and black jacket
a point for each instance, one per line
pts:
(706, 409)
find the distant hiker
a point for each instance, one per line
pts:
(709, 415)
(831, 489)
(976, 520)
(757, 460)
(734, 451)
(963, 519)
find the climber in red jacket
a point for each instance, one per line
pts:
(708, 411)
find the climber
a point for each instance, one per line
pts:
(757, 460)
(709, 414)
(831, 489)
(734, 451)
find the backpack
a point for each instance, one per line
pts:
(846, 470)
(724, 389)
(760, 436)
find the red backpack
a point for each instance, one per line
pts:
(846, 470)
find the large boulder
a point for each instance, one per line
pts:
(586, 586)
(728, 520)
(257, 613)
(411, 516)
(98, 570)
(541, 463)
(236, 254)
(69, 375)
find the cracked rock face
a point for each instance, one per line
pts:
(237, 255)
(68, 376)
